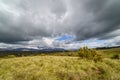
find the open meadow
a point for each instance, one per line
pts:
(59, 68)
(59, 39)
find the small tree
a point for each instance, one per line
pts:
(89, 54)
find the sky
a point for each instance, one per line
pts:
(68, 24)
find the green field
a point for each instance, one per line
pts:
(108, 53)
(60, 68)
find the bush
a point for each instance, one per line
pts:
(42, 54)
(89, 54)
(116, 56)
(10, 56)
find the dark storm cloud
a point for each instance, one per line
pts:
(18, 26)
(25, 20)
(105, 19)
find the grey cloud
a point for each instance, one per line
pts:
(59, 8)
(25, 20)
(102, 17)
(111, 35)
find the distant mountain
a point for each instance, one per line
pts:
(52, 49)
(47, 49)
(24, 49)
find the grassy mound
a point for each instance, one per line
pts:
(58, 68)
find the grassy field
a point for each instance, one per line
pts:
(60, 68)
(108, 53)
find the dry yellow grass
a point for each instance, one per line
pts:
(58, 68)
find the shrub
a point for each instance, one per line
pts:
(10, 56)
(116, 56)
(89, 54)
(42, 54)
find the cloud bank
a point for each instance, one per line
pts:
(40, 22)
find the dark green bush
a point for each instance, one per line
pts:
(116, 56)
(91, 54)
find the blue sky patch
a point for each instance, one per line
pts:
(65, 37)
(91, 40)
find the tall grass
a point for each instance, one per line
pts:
(58, 68)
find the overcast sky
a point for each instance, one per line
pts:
(59, 23)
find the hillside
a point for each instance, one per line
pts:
(108, 53)
(58, 68)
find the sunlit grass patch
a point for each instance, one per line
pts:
(58, 68)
